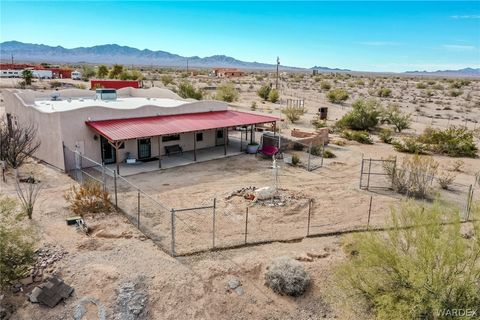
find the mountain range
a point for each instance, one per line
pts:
(114, 53)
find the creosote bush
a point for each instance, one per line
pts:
(364, 115)
(454, 141)
(286, 276)
(337, 95)
(273, 96)
(417, 269)
(414, 177)
(445, 179)
(187, 90)
(295, 160)
(294, 113)
(264, 92)
(227, 92)
(359, 136)
(88, 198)
(386, 135)
(409, 145)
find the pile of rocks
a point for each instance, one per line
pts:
(131, 302)
(45, 259)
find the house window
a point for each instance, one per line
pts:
(199, 136)
(174, 137)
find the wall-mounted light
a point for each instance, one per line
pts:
(95, 137)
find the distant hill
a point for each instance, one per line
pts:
(114, 53)
(466, 72)
(326, 69)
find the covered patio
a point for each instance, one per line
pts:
(194, 137)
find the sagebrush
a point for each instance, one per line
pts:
(287, 277)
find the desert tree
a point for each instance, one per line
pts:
(187, 90)
(28, 194)
(117, 69)
(17, 143)
(364, 115)
(264, 91)
(27, 76)
(395, 116)
(273, 95)
(102, 71)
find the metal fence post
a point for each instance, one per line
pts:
(246, 225)
(361, 174)
(138, 210)
(369, 212)
(309, 214)
(369, 170)
(323, 152)
(213, 227)
(173, 231)
(394, 172)
(104, 180)
(469, 202)
(115, 187)
(309, 155)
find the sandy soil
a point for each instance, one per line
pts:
(195, 287)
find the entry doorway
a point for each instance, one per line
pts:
(108, 151)
(219, 137)
(144, 148)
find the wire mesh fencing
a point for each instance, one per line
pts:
(310, 156)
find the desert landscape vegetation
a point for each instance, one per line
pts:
(327, 247)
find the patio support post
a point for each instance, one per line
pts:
(225, 132)
(160, 152)
(195, 146)
(251, 133)
(117, 158)
(274, 128)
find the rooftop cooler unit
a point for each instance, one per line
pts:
(106, 94)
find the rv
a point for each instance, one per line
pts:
(76, 75)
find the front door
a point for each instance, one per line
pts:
(108, 151)
(144, 148)
(219, 140)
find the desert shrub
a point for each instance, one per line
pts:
(414, 176)
(359, 136)
(409, 145)
(325, 85)
(295, 160)
(253, 106)
(457, 165)
(227, 92)
(55, 84)
(16, 244)
(337, 95)
(316, 150)
(298, 146)
(264, 91)
(80, 86)
(421, 85)
(454, 141)
(386, 135)
(273, 95)
(88, 198)
(187, 90)
(413, 273)
(384, 92)
(294, 113)
(286, 276)
(328, 154)
(364, 116)
(28, 194)
(455, 93)
(166, 79)
(319, 123)
(445, 179)
(437, 87)
(395, 116)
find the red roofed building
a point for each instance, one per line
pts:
(227, 72)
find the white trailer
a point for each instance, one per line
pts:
(42, 74)
(10, 73)
(76, 75)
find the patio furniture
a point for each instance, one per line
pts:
(176, 148)
(268, 150)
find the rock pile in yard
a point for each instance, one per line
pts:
(131, 302)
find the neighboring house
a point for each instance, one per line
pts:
(227, 72)
(108, 126)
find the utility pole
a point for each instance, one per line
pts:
(12, 60)
(278, 63)
(187, 66)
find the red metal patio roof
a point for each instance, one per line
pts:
(123, 129)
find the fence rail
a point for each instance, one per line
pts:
(219, 224)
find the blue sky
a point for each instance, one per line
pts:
(364, 36)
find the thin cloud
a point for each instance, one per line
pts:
(473, 16)
(380, 43)
(459, 47)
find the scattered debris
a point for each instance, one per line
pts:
(29, 179)
(45, 258)
(80, 310)
(131, 302)
(235, 285)
(243, 192)
(51, 292)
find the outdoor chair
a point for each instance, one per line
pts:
(176, 148)
(268, 150)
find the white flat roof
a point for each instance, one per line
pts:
(119, 103)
